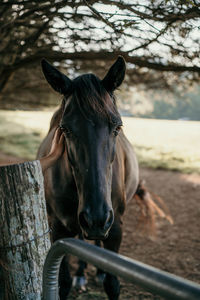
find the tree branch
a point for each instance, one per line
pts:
(85, 55)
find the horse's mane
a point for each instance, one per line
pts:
(90, 96)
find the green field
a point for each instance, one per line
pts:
(173, 145)
(164, 144)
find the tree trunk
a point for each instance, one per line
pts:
(24, 231)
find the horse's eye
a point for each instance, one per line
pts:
(117, 130)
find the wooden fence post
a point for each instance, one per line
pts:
(24, 231)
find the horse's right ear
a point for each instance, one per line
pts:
(57, 80)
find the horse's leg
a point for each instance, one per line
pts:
(111, 283)
(100, 275)
(65, 280)
(79, 280)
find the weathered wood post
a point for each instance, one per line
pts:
(24, 231)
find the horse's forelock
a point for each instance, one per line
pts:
(92, 98)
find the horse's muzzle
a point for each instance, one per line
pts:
(95, 237)
(96, 227)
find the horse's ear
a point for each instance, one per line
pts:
(57, 80)
(115, 75)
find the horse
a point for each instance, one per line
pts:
(97, 175)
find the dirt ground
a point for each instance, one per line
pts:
(176, 248)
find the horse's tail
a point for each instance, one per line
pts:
(149, 209)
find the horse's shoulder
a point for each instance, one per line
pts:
(130, 165)
(125, 146)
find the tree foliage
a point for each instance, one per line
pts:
(158, 38)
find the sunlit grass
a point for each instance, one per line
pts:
(21, 132)
(164, 144)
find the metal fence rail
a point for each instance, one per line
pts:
(147, 277)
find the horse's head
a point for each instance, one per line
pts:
(91, 123)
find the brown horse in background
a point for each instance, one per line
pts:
(89, 186)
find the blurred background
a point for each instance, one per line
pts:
(160, 43)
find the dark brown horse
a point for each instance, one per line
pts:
(89, 186)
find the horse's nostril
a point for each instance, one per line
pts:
(96, 224)
(109, 219)
(85, 220)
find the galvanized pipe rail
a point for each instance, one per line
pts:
(154, 280)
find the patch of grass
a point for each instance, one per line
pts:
(21, 145)
(21, 132)
(165, 144)
(161, 144)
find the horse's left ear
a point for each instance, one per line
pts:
(115, 75)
